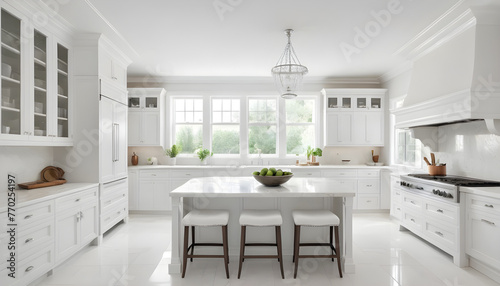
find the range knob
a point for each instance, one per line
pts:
(445, 194)
(434, 191)
(440, 193)
(450, 196)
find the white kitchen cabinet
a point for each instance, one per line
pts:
(354, 117)
(36, 101)
(76, 222)
(483, 230)
(396, 197)
(133, 190)
(146, 124)
(154, 190)
(111, 67)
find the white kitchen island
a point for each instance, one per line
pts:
(238, 193)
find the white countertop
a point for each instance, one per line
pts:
(257, 167)
(26, 197)
(248, 187)
(493, 192)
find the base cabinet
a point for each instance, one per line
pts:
(76, 222)
(113, 204)
(483, 230)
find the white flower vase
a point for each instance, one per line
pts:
(204, 162)
(170, 161)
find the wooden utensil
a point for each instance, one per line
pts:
(427, 161)
(433, 159)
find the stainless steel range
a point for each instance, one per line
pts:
(444, 188)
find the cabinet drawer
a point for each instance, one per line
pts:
(153, 174)
(368, 173)
(368, 202)
(340, 173)
(440, 235)
(113, 198)
(396, 211)
(396, 195)
(412, 221)
(113, 216)
(482, 203)
(75, 200)
(34, 236)
(412, 202)
(187, 174)
(34, 265)
(368, 186)
(442, 211)
(306, 173)
(35, 213)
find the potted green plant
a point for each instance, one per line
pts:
(309, 153)
(316, 154)
(171, 154)
(203, 154)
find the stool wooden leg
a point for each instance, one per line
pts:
(294, 241)
(185, 252)
(337, 249)
(331, 240)
(225, 248)
(280, 254)
(297, 243)
(242, 248)
(192, 241)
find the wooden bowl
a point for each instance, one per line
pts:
(272, 181)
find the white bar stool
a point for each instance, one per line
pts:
(261, 218)
(316, 218)
(205, 218)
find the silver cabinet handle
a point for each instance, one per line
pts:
(153, 175)
(28, 216)
(412, 220)
(29, 268)
(29, 240)
(413, 202)
(488, 222)
(81, 215)
(77, 200)
(440, 211)
(398, 209)
(368, 201)
(369, 185)
(489, 206)
(397, 193)
(439, 233)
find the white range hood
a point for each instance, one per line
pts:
(456, 78)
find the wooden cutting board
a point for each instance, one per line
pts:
(41, 184)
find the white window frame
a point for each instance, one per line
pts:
(223, 123)
(174, 121)
(316, 123)
(276, 123)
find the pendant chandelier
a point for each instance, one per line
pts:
(288, 71)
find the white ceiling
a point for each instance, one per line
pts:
(245, 37)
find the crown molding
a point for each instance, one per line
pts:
(390, 75)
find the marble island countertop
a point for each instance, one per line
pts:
(257, 167)
(221, 187)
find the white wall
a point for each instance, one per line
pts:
(23, 162)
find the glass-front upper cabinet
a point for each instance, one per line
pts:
(141, 100)
(62, 91)
(11, 116)
(40, 98)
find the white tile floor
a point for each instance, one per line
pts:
(138, 254)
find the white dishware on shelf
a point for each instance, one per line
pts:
(6, 70)
(39, 132)
(38, 107)
(60, 90)
(39, 83)
(60, 129)
(5, 129)
(39, 54)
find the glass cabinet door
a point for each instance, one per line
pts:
(11, 69)
(62, 91)
(346, 102)
(361, 102)
(40, 87)
(376, 103)
(332, 102)
(134, 102)
(151, 102)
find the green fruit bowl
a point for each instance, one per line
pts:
(272, 181)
